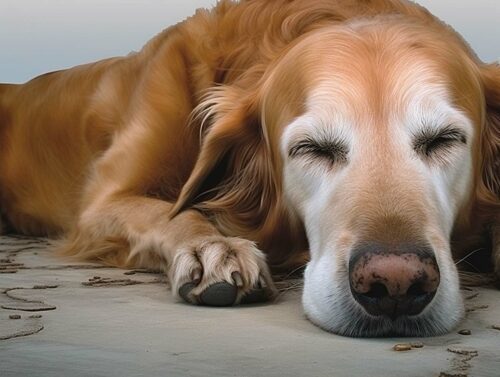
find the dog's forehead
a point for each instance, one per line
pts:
(370, 82)
(391, 80)
(405, 98)
(417, 107)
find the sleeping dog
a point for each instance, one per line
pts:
(365, 132)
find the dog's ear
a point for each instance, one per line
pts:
(236, 180)
(489, 181)
(489, 185)
(234, 173)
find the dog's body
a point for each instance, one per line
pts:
(176, 157)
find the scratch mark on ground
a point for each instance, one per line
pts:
(21, 303)
(35, 329)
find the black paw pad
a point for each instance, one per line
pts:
(223, 294)
(256, 296)
(184, 291)
(219, 294)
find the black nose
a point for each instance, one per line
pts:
(393, 282)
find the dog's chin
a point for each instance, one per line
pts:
(360, 324)
(333, 309)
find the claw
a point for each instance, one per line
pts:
(196, 276)
(238, 280)
(269, 288)
(261, 293)
(262, 282)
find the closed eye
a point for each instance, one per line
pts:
(431, 141)
(333, 151)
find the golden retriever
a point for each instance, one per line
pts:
(364, 131)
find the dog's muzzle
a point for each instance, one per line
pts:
(393, 282)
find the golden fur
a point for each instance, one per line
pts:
(137, 160)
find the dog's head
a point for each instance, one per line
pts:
(380, 136)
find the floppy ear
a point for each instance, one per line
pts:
(489, 182)
(210, 167)
(233, 179)
(236, 180)
(490, 142)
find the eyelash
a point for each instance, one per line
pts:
(426, 144)
(335, 152)
(430, 141)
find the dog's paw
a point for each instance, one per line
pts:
(221, 271)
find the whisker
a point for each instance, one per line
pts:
(468, 255)
(294, 271)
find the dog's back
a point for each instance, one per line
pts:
(5, 90)
(49, 132)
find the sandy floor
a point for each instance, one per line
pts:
(127, 324)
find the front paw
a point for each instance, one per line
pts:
(221, 271)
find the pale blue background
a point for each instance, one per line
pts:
(38, 36)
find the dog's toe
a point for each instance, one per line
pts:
(256, 296)
(219, 294)
(185, 290)
(222, 294)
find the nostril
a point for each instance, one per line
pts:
(416, 290)
(377, 291)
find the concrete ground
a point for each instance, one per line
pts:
(80, 319)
